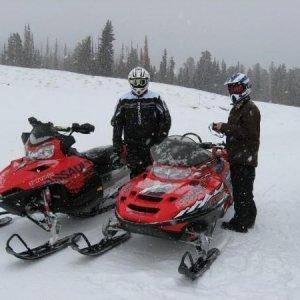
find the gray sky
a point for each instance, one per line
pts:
(248, 31)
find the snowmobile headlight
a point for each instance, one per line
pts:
(44, 152)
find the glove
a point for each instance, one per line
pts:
(75, 127)
(116, 161)
(217, 126)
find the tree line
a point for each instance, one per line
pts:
(276, 84)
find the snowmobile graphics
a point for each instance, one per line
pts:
(54, 178)
(180, 197)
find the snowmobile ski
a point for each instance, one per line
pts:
(106, 244)
(38, 252)
(197, 268)
(5, 221)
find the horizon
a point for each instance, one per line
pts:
(206, 21)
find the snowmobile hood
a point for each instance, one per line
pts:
(24, 174)
(151, 199)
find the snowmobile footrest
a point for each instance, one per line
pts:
(100, 248)
(5, 221)
(197, 269)
(38, 252)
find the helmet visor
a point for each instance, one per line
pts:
(236, 89)
(138, 82)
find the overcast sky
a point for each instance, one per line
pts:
(248, 31)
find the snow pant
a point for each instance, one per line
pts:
(138, 158)
(242, 179)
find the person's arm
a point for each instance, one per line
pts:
(248, 128)
(118, 125)
(165, 123)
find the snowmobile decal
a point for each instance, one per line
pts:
(200, 203)
(66, 174)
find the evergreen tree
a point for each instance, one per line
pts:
(132, 59)
(4, 55)
(82, 56)
(55, 60)
(121, 69)
(105, 57)
(28, 48)
(162, 73)
(170, 71)
(146, 59)
(14, 50)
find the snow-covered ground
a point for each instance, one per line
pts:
(263, 264)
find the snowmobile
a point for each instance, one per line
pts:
(180, 197)
(55, 178)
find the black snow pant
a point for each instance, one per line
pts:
(242, 178)
(138, 158)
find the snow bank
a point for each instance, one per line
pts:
(263, 264)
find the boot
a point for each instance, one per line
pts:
(234, 225)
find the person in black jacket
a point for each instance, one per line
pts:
(242, 132)
(142, 118)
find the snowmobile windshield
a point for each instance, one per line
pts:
(179, 151)
(41, 133)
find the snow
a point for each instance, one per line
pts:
(263, 264)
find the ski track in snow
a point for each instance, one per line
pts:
(263, 264)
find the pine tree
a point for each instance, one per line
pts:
(28, 47)
(121, 69)
(55, 60)
(132, 59)
(105, 56)
(171, 71)
(4, 55)
(82, 56)
(146, 59)
(14, 50)
(162, 73)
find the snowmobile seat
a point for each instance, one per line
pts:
(100, 156)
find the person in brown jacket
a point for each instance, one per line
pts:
(242, 142)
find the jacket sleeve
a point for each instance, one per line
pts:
(247, 129)
(165, 122)
(117, 122)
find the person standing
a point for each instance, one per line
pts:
(242, 142)
(142, 118)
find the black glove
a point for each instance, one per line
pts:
(116, 161)
(75, 127)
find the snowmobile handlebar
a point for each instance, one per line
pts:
(85, 128)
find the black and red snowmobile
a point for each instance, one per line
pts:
(180, 197)
(54, 178)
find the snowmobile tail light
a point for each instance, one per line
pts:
(44, 152)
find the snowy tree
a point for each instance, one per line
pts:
(105, 55)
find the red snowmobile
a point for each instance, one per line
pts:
(54, 178)
(180, 197)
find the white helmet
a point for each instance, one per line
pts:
(239, 87)
(139, 80)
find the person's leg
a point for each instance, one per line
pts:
(138, 159)
(245, 206)
(242, 178)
